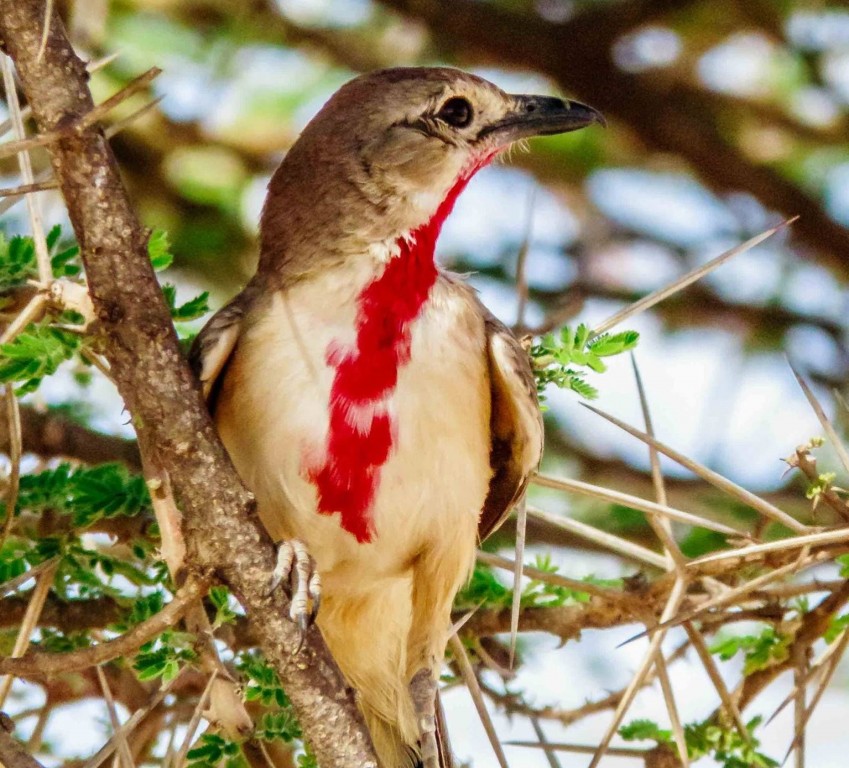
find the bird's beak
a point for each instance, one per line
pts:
(531, 116)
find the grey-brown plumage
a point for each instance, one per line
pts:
(378, 411)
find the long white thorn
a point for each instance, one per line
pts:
(662, 293)
(613, 543)
(676, 595)
(714, 478)
(471, 681)
(519, 558)
(651, 508)
(825, 422)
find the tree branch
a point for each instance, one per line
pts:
(41, 663)
(46, 434)
(12, 752)
(175, 432)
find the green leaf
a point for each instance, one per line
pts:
(17, 260)
(643, 730)
(191, 310)
(614, 344)
(836, 627)
(159, 250)
(165, 656)
(87, 494)
(36, 352)
(53, 236)
(725, 745)
(14, 557)
(263, 682)
(281, 725)
(558, 361)
(220, 598)
(760, 651)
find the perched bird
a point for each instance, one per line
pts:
(384, 419)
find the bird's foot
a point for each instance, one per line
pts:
(423, 694)
(296, 570)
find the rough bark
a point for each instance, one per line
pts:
(12, 753)
(174, 428)
(46, 434)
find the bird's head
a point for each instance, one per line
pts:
(390, 151)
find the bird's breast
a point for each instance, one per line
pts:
(370, 418)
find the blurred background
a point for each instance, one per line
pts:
(725, 117)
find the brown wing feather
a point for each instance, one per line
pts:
(213, 347)
(516, 424)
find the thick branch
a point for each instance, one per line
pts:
(73, 616)
(41, 663)
(12, 752)
(814, 624)
(46, 434)
(174, 428)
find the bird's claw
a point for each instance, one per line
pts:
(295, 570)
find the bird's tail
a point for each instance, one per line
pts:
(394, 753)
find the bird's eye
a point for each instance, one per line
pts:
(456, 112)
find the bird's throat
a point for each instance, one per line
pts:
(361, 429)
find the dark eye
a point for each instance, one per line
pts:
(456, 111)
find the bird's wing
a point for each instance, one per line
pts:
(213, 346)
(516, 424)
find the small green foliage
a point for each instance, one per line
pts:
(18, 261)
(56, 642)
(36, 352)
(726, 745)
(86, 493)
(13, 559)
(558, 360)
(165, 656)
(279, 726)
(541, 594)
(843, 562)
(836, 627)
(190, 310)
(212, 750)
(84, 572)
(701, 541)
(220, 598)
(307, 759)
(645, 730)
(822, 485)
(263, 683)
(159, 250)
(760, 651)
(141, 610)
(485, 589)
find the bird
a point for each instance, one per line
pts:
(384, 419)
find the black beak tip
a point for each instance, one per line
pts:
(591, 114)
(600, 118)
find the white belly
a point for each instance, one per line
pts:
(433, 484)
